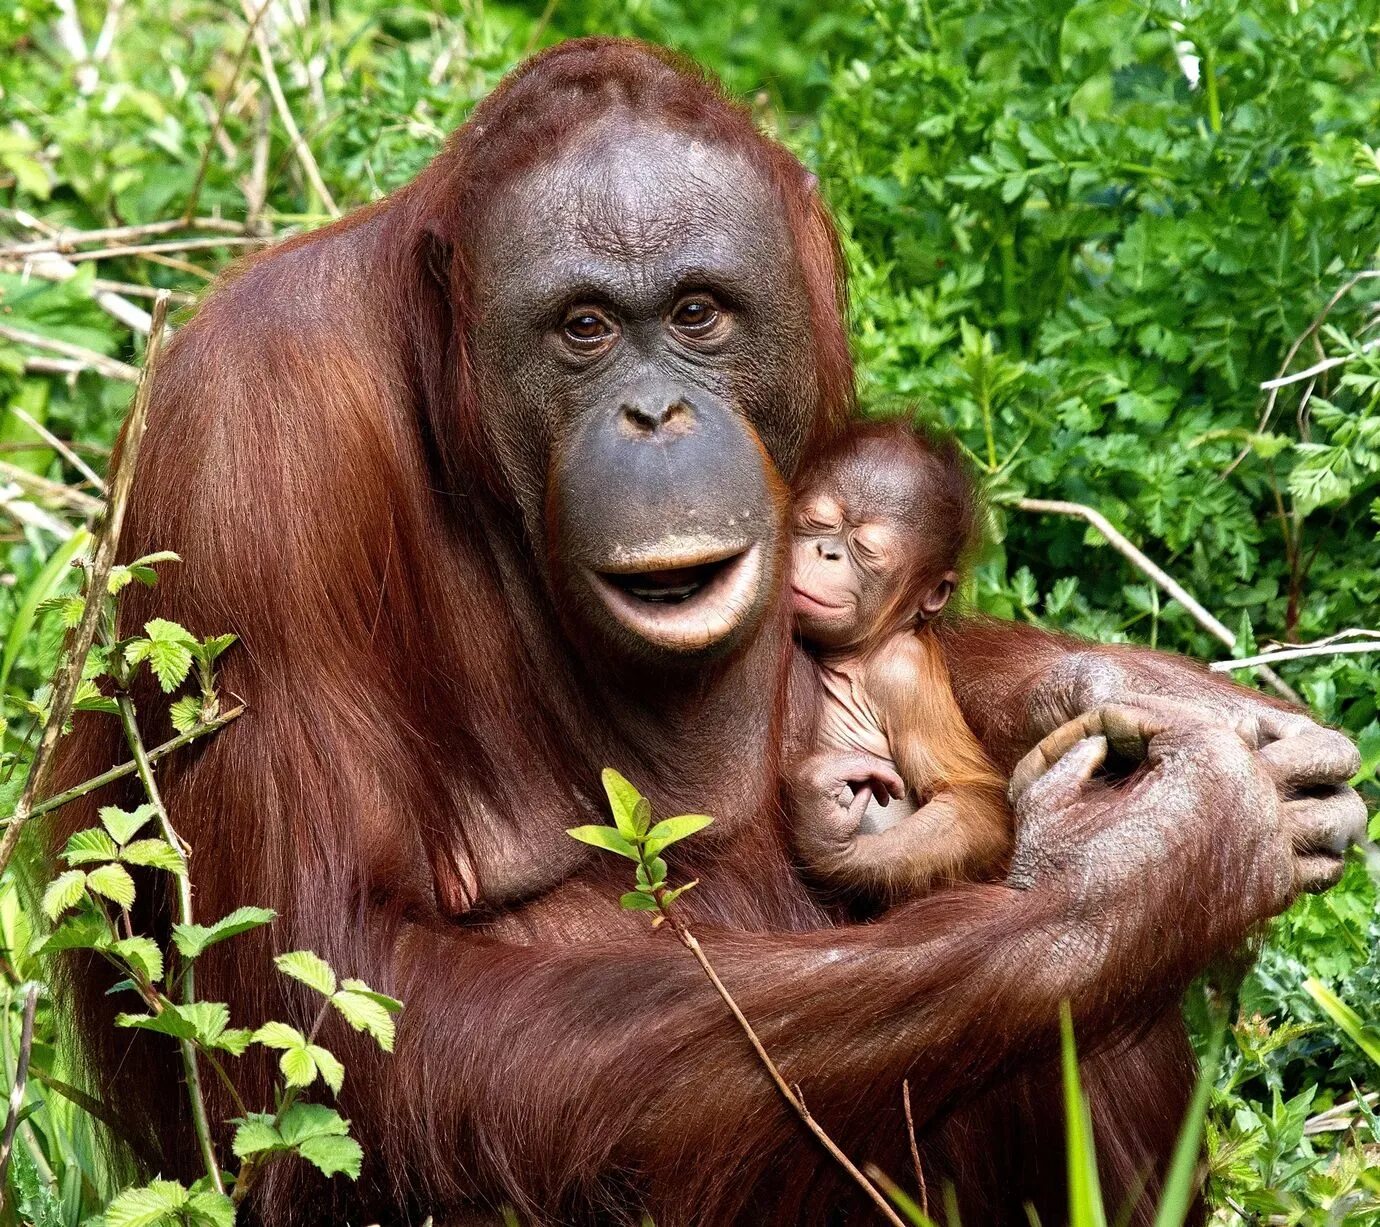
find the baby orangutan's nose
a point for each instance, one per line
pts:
(829, 550)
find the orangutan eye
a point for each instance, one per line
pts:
(587, 328)
(697, 316)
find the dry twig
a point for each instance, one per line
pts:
(1123, 546)
(52, 491)
(21, 1081)
(58, 445)
(111, 368)
(79, 645)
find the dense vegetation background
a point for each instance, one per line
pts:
(1081, 234)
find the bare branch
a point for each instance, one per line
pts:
(58, 445)
(79, 645)
(1123, 546)
(1300, 653)
(275, 87)
(21, 1080)
(70, 240)
(1317, 368)
(112, 368)
(51, 491)
(152, 249)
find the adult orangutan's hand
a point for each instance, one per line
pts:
(1309, 764)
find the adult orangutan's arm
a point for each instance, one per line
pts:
(546, 1072)
(1015, 684)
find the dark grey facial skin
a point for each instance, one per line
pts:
(645, 442)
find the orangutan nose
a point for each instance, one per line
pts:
(678, 417)
(829, 550)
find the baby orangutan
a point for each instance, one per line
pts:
(883, 521)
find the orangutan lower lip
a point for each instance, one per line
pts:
(805, 597)
(687, 603)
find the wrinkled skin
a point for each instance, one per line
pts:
(651, 383)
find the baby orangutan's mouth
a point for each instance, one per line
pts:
(683, 601)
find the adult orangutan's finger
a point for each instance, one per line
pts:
(1314, 758)
(1328, 824)
(1039, 786)
(1316, 873)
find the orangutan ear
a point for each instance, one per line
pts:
(937, 596)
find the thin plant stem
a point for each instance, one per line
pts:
(689, 941)
(914, 1149)
(58, 800)
(21, 1078)
(79, 645)
(144, 768)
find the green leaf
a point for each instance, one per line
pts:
(192, 939)
(147, 1207)
(234, 1040)
(122, 824)
(279, 1035)
(638, 901)
(255, 1134)
(331, 1070)
(1085, 1192)
(391, 1004)
(604, 837)
(154, 853)
(64, 891)
(311, 969)
(169, 1022)
(670, 896)
(671, 830)
(311, 1120)
(186, 713)
(299, 1069)
(211, 1209)
(208, 1020)
(80, 932)
(333, 1155)
(642, 816)
(93, 844)
(623, 799)
(210, 649)
(142, 954)
(114, 882)
(1350, 1023)
(363, 1013)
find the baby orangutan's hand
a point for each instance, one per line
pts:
(825, 816)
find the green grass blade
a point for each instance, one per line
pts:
(1346, 1018)
(1085, 1190)
(1179, 1185)
(44, 584)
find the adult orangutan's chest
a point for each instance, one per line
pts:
(847, 719)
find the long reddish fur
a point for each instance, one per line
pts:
(316, 454)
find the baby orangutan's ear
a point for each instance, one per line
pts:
(934, 599)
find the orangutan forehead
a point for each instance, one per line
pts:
(874, 487)
(628, 190)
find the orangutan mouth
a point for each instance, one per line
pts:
(687, 602)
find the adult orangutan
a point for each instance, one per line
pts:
(490, 479)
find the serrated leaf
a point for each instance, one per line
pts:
(93, 844)
(298, 1067)
(168, 1022)
(391, 1004)
(208, 1020)
(255, 1134)
(605, 837)
(623, 799)
(64, 891)
(311, 969)
(122, 824)
(671, 830)
(279, 1035)
(311, 1120)
(192, 939)
(331, 1070)
(157, 556)
(170, 662)
(333, 1156)
(211, 1209)
(142, 954)
(365, 1014)
(148, 1206)
(213, 647)
(234, 1040)
(153, 853)
(186, 713)
(80, 932)
(114, 882)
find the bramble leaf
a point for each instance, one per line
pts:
(279, 1035)
(328, 1066)
(154, 853)
(149, 1206)
(333, 1155)
(186, 713)
(299, 1069)
(64, 891)
(122, 824)
(93, 844)
(192, 939)
(363, 1013)
(141, 953)
(311, 969)
(114, 882)
(256, 1134)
